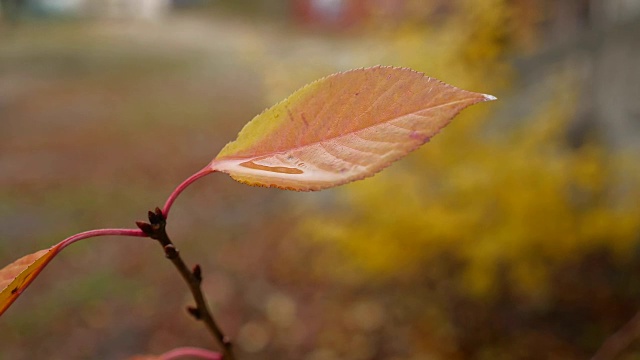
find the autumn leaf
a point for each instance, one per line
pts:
(15, 277)
(342, 128)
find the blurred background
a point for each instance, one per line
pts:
(514, 234)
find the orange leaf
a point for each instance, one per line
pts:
(342, 128)
(15, 277)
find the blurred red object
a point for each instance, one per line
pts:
(329, 14)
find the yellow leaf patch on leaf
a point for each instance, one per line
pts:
(342, 128)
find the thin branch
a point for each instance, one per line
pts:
(615, 344)
(100, 232)
(167, 205)
(191, 351)
(156, 229)
(20, 284)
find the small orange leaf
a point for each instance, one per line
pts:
(15, 277)
(342, 128)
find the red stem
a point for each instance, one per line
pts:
(616, 344)
(167, 205)
(55, 250)
(191, 351)
(100, 232)
(137, 232)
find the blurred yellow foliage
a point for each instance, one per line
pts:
(512, 197)
(488, 232)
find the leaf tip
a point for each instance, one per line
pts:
(488, 97)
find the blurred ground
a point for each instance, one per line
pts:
(514, 235)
